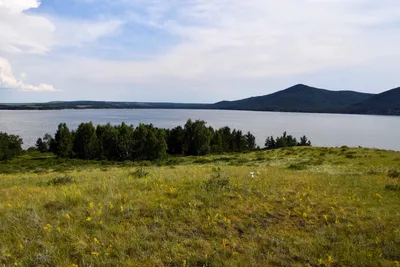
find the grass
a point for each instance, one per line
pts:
(304, 207)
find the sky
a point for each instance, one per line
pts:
(199, 51)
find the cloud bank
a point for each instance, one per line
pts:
(8, 80)
(226, 48)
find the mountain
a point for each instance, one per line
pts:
(386, 103)
(298, 98)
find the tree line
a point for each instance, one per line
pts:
(143, 142)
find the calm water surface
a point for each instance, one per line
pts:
(322, 129)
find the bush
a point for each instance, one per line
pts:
(140, 173)
(219, 180)
(394, 174)
(393, 187)
(63, 180)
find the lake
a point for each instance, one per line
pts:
(322, 129)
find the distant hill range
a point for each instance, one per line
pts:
(298, 98)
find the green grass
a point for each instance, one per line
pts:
(305, 207)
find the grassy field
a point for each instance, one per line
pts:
(303, 207)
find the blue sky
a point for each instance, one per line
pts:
(194, 50)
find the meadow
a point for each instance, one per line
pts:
(301, 206)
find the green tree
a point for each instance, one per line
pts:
(63, 141)
(250, 141)
(148, 143)
(41, 146)
(216, 143)
(124, 141)
(108, 139)
(240, 141)
(226, 137)
(86, 144)
(304, 141)
(175, 140)
(270, 143)
(197, 138)
(10, 146)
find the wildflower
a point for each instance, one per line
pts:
(9, 205)
(224, 243)
(91, 205)
(89, 219)
(96, 253)
(68, 216)
(75, 265)
(47, 228)
(330, 259)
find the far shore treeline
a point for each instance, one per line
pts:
(143, 142)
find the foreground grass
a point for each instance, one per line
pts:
(304, 207)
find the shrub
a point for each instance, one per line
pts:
(393, 187)
(394, 174)
(298, 166)
(63, 180)
(219, 180)
(140, 173)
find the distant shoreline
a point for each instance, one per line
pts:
(299, 98)
(20, 108)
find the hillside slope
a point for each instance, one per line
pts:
(386, 103)
(300, 98)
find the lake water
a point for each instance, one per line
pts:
(322, 129)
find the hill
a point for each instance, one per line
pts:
(386, 103)
(298, 98)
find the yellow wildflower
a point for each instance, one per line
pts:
(89, 219)
(47, 228)
(330, 259)
(96, 253)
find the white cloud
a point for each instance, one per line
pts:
(8, 80)
(256, 38)
(25, 33)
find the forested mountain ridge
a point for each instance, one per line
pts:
(298, 98)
